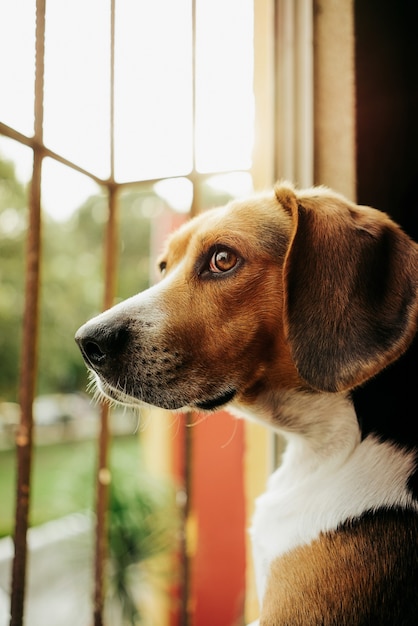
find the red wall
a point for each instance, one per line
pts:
(218, 566)
(217, 521)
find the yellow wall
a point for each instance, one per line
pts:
(256, 466)
(156, 438)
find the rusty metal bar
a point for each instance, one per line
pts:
(31, 142)
(35, 144)
(103, 473)
(24, 442)
(102, 497)
(111, 254)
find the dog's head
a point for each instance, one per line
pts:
(291, 290)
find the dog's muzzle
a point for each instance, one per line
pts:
(134, 363)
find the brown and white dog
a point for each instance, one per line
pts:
(297, 309)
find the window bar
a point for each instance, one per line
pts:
(186, 610)
(24, 443)
(103, 473)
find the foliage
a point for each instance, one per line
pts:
(143, 523)
(12, 226)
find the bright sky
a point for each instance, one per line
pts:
(153, 90)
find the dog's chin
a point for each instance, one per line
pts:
(106, 392)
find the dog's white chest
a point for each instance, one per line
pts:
(301, 500)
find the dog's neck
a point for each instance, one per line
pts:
(323, 425)
(384, 406)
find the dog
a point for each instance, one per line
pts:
(297, 309)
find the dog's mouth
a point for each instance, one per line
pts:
(218, 401)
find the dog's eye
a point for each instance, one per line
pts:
(162, 267)
(222, 261)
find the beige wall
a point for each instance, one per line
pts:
(334, 96)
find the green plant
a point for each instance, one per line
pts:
(142, 524)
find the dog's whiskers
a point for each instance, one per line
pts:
(224, 445)
(201, 418)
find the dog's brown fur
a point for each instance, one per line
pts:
(326, 583)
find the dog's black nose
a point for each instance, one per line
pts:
(101, 344)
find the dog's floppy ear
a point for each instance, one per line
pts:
(351, 289)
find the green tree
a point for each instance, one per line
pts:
(13, 202)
